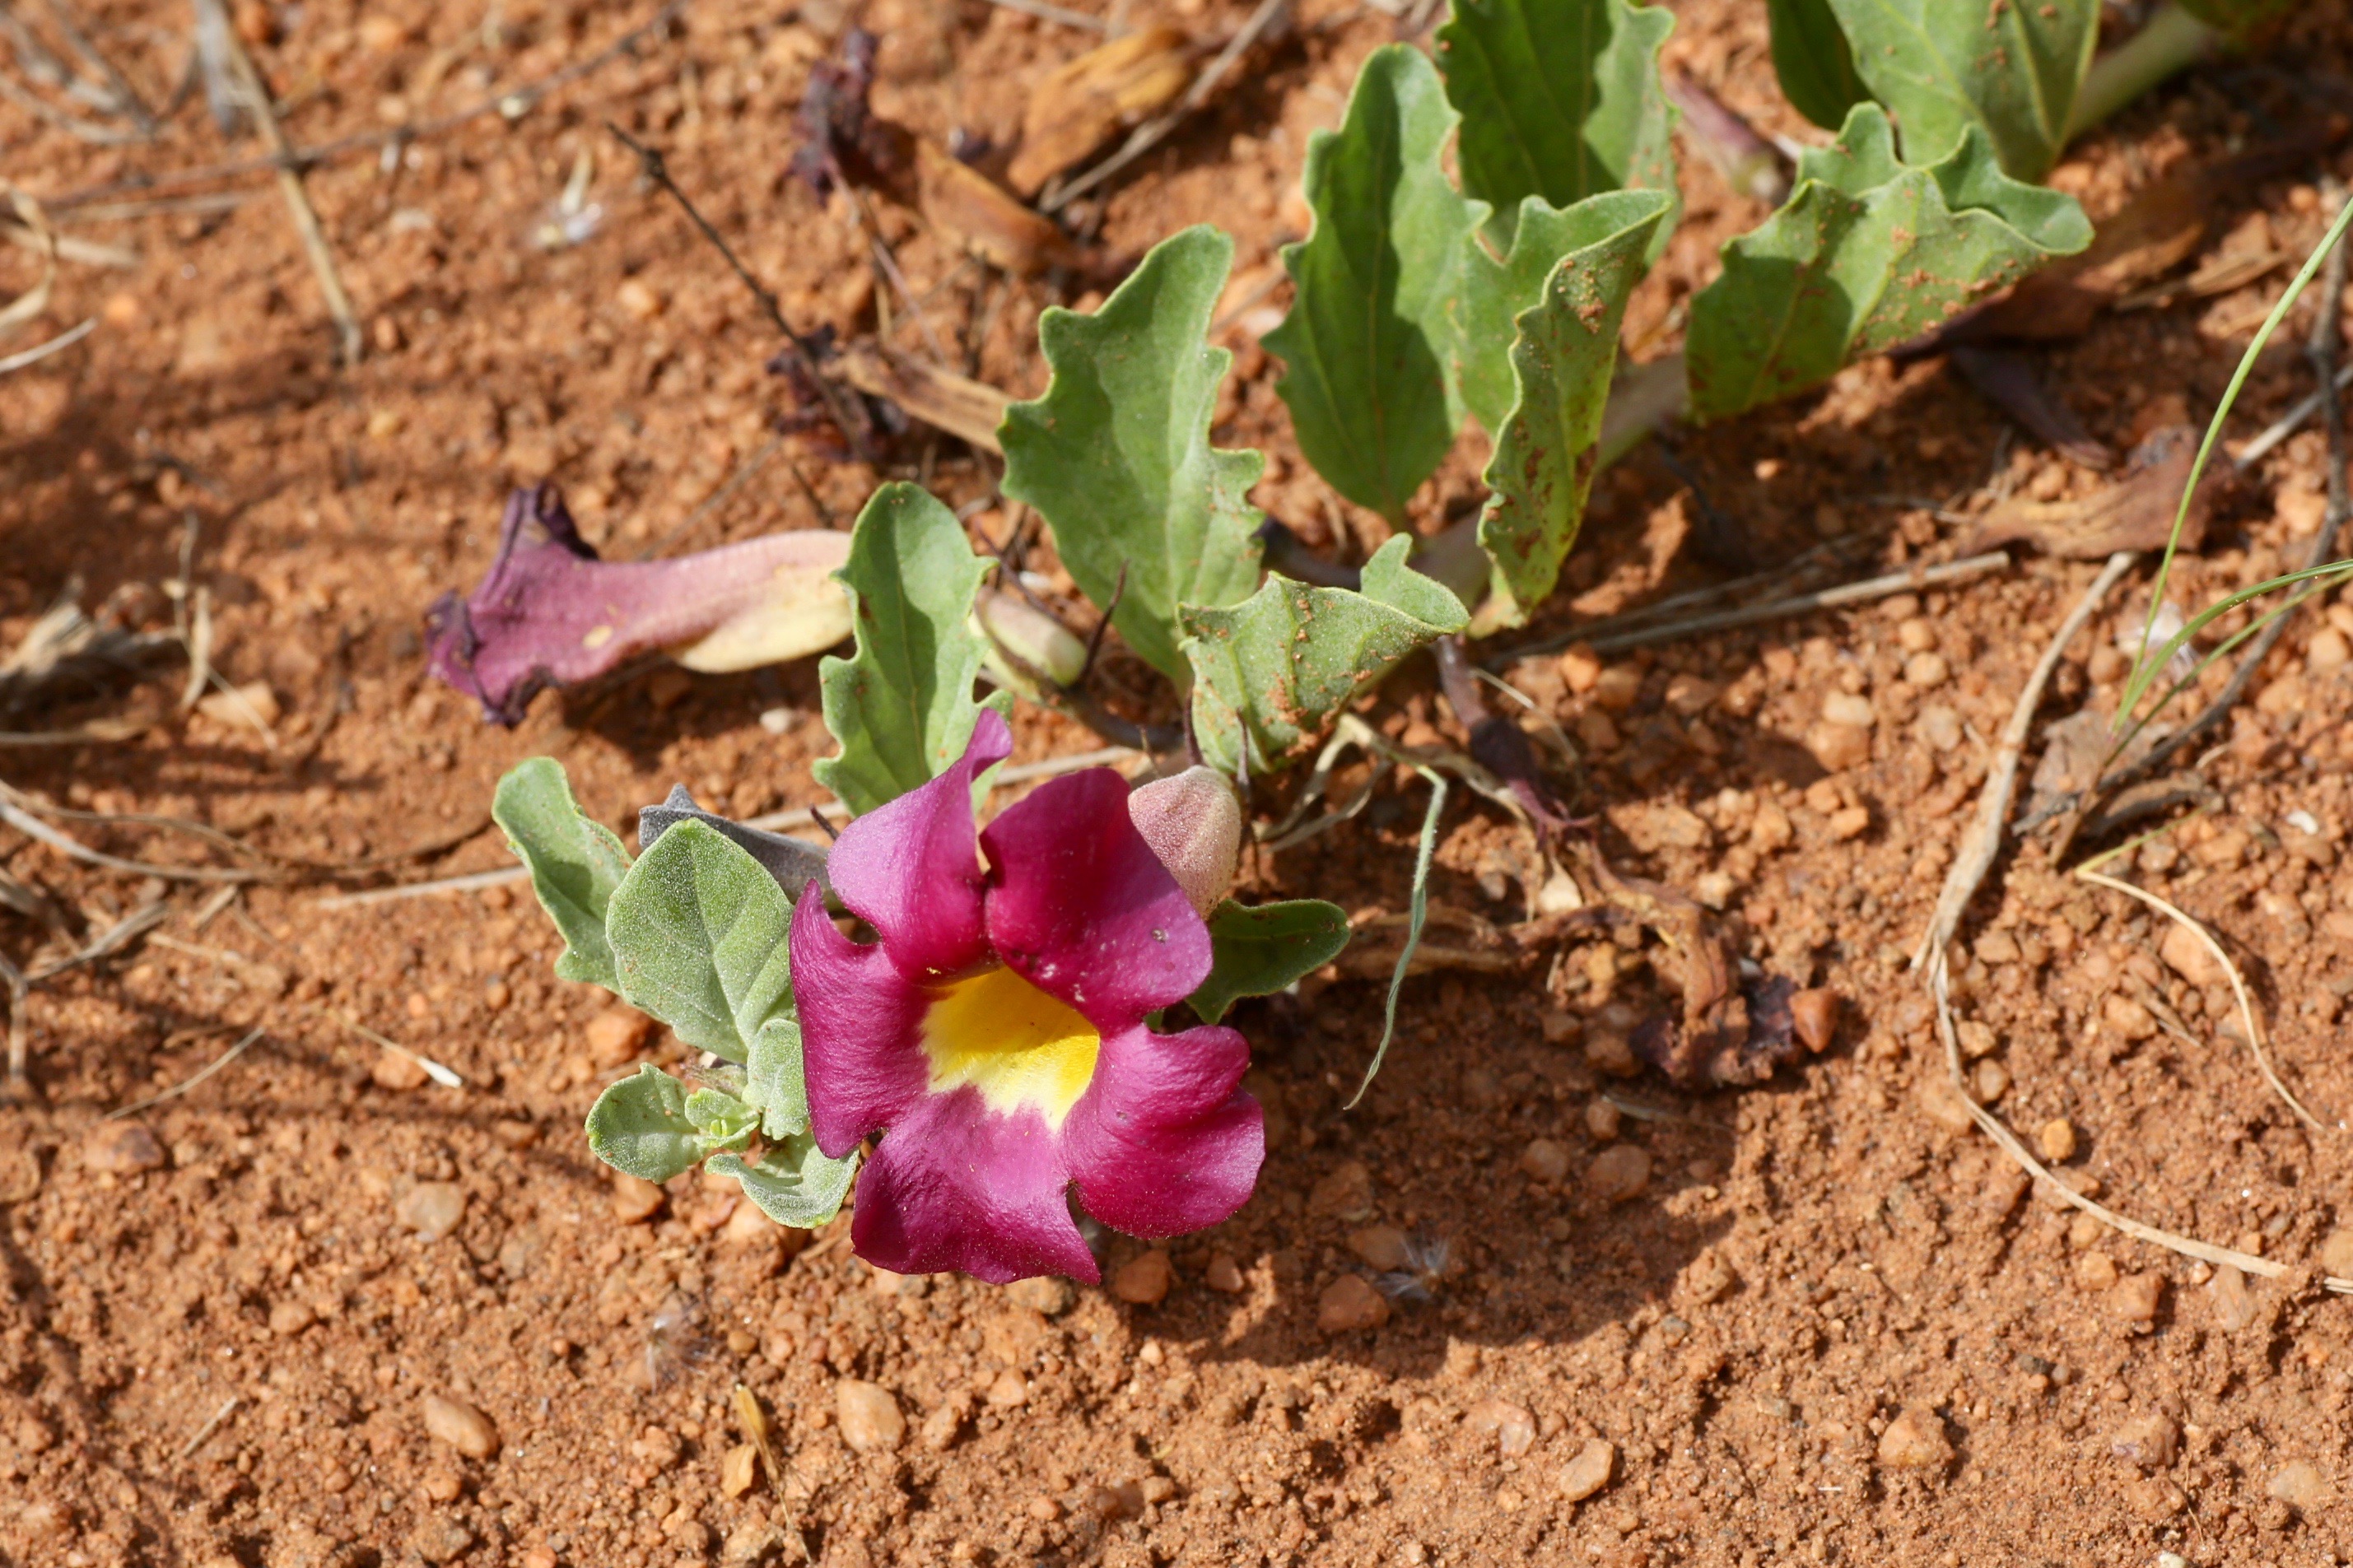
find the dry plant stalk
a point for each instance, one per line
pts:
(298, 203)
(969, 410)
(1979, 850)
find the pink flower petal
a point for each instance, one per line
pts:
(955, 1186)
(1081, 908)
(912, 868)
(862, 1047)
(1164, 1141)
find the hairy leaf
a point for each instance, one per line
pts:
(792, 862)
(792, 1180)
(1116, 456)
(1258, 949)
(1814, 61)
(1559, 99)
(1562, 347)
(902, 706)
(576, 863)
(549, 612)
(698, 931)
(1366, 344)
(1272, 673)
(1868, 253)
(647, 1126)
(773, 1080)
(2008, 67)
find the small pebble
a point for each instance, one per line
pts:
(2188, 956)
(291, 1318)
(1940, 726)
(2138, 1298)
(635, 1199)
(1618, 1172)
(441, 1539)
(1850, 822)
(1619, 687)
(2128, 1017)
(2337, 1252)
(638, 299)
(1580, 667)
(1914, 1440)
(2055, 1139)
(2300, 1485)
(443, 1486)
(1602, 1118)
(1708, 1279)
(1838, 747)
(1224, 1274)
(460, 1425)
(1992, 1081)
(1608, 1049)
(1543, 1160)
(1849, 708)
(1514, 1428)
(1143, 1281)
(941, 1426)
(1926, 670)
(870, 1419)
(397, 1071)
(1350, 1303)
(617, 1034)
(121, 1148)
(431, 1209)
(1346, 1193)
(1009, 1390)
(2152, 1441)
(2328, 651)
(1382, 1245)
(2096, 1271)
(1815, 1014)
(1587, 1470)
(1916, 635)
(1047, 1295)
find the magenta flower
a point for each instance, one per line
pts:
(995, 1036)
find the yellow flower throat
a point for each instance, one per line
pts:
(1019, 1046)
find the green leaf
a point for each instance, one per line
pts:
(2008, 68)
(1866, 253)
(774, 1082)
(576, 863)
(1418, 915)
(698, 929)
(1272, 673)
(1116, 456)
(792, 1181)
(1366, 343)
(641, 1125)
(902, 706)
(1814, 61)
(1559, 99)
(1260, 949)
(1563, 348)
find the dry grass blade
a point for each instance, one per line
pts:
(40, 351)
(65, 843)
(72, 248)
(188, 1450)
(110, 940)
(36, 300)
(2238, 986)
(191, 1081)
(349, 344)
(446, 1076)
(1983, 840)
(1046, 12)
(967, 409)
(65, 648)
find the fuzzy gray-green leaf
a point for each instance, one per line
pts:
(773, 1081)
(1272, 673)
(1563, 348)
(576, 863)
(792, 1181)
(1867, 253)
(1814, 60)
(1559, 99)
(902, 708)
(1258, 950)
(1366, 346)
(698, 929)
(2010, 68)
(1116, 456)
(640, 1125)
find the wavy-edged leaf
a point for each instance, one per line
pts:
(792, 1181)
(1272, 673)
(1563, 348)
(773, 1080)
(1366, 344)
(1260, 949)
(902, 708)
(576, 863)
(648, 1125)
(2010, 68)
(1559, 99)
(1116, 456)
(1868, 253)
(698, 931)
(1814, 61)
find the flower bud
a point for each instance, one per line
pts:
(1194, 825)
(1036, 638)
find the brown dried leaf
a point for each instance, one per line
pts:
(969, 410)
(987, 219)
(2135, 512)
(1084, 104)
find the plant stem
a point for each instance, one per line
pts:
(2168, 44)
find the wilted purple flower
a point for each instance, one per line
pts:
(996, 1034)
(549, 612)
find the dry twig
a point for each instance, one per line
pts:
(349, 343)
(190, 1082)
